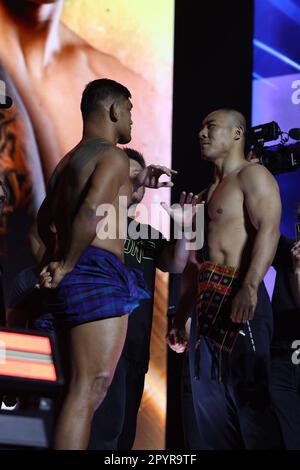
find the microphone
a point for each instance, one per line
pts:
(5, 102)
(294, 133)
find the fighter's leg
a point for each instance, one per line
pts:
(94, 350)
(108, 419)
(135, 380)
(215, 410)
(250, 371)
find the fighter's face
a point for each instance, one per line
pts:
(216, 135)
(134, 169)
(125, 121)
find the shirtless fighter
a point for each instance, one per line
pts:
(232, 320)
(90, 290)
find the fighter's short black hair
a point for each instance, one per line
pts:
(135, 155)
(99, 90)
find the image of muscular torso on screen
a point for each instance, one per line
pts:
(21, 173)
(50, 66)
(45, 67)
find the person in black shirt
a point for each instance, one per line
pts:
(285, 368)
(114, 423)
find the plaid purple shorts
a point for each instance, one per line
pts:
(99, 286)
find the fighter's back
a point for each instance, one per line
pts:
(70, 184)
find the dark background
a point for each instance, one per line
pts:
(212, 69)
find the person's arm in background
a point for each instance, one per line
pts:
(177, 337)
(295, 252)
(150, 175)
(174, 257)
(263, 205)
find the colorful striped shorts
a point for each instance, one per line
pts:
(217, 285)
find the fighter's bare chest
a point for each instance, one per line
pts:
(225, 201)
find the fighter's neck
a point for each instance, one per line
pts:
(223, 167)
(35, 27)
(96, 132)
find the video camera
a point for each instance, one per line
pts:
(279, 158)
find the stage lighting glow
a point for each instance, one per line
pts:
(26, 356)
(276, 54)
